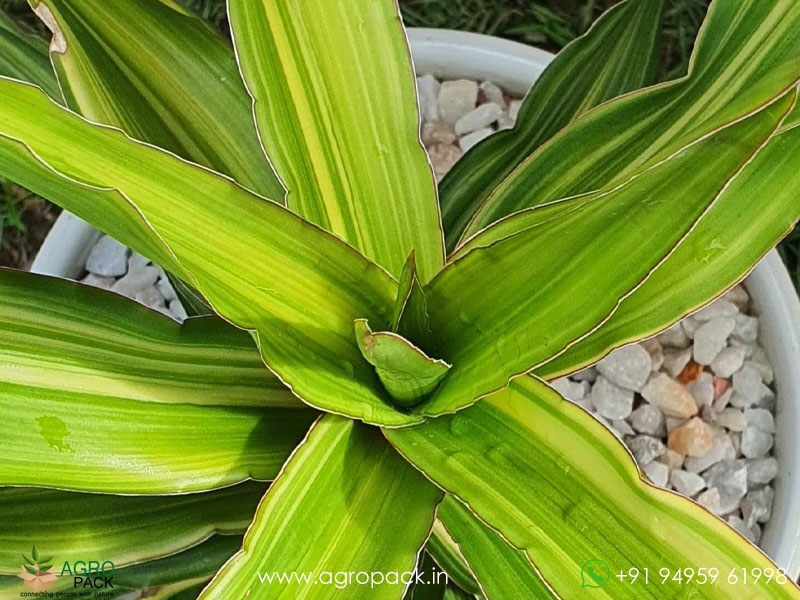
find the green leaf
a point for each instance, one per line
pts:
(617, 55)
(260, 266)
(31, 570)
(410, 317)
(74, 441)
(335, 104)
(35, 553)
(745, 56)
(560, 486)
(61, 336)
(433, 582)
(502, 571)
(197, 563)
(161, 76)
(28, 559)
(494, 308)
(24, 57)
(123, 529)
(718, 252)
(444, 550)
(79, 417)
(407, 373)
(45, 567)
(346, 486)
(454, 593)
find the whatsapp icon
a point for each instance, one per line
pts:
(595, 573)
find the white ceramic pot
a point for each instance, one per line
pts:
(453, 54)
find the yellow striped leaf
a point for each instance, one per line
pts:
(335, 104)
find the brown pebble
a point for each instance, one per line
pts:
(690, 373)
(443, 157)
(720, 386)
(692, 439)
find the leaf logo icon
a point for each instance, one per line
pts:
(37, 572)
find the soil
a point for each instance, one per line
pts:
(18, 247)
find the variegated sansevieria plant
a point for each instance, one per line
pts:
(377, 349)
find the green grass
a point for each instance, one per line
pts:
(10, 208)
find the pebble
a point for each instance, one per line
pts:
(98, 282)
(761, 419)
(589, 374)
(745, 329)
(622, 427)
(176, 308)
(673, 423)
(492, 93)
(151, 297)
(108, 258)
(702, 389)
(443, 157)
(686, 483)
(646, 448)
(749, 388)
(571, 390)
(669, 396)
(738, 296)
(438, 133)
(692, 439)
(710, 338)
(722, 402)
(718, 308)
(457, 98)
(730, 479)
(721, 449)
(760, 362)
(653, 348)
(166, 289)
(672, 459)
(136, 281)
(755, 443)
(428, 89)
(764, 370)
(628, 367)
(690, 325)
(611, 401)
(676, 360)
(469, 140)
(137, 261)
(648, 419)
(741, 526)
(675, 337)
(729, 360)
(478, 118)
(657, 472)
(761, 470)
(710, 500)
(732, 419)
(757, 505)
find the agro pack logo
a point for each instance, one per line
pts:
(40, 574)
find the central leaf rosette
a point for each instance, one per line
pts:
(401, 357)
